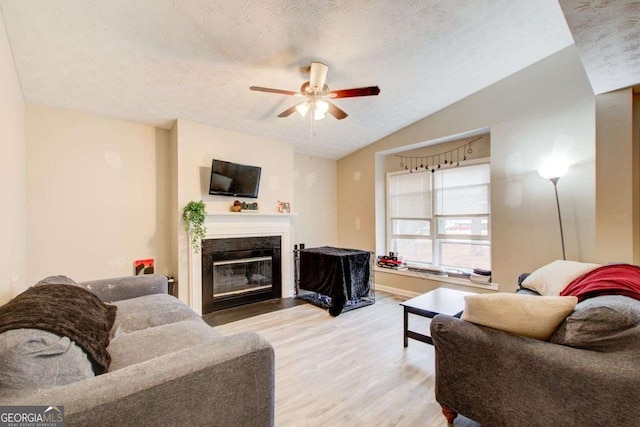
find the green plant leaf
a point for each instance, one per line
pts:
(194, 214)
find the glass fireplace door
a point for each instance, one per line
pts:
(237, 276)
(237, 271)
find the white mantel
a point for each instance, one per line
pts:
(221, 225)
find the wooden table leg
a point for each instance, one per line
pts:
(406, 327)
(449, 414)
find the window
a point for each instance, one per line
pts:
(441, 218)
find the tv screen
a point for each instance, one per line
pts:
(233, 179)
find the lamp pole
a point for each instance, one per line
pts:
(555, 188)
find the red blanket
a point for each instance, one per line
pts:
(618, 279)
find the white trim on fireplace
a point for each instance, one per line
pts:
(223, 225)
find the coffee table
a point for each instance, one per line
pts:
(439, 301)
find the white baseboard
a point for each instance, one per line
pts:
(397, 291)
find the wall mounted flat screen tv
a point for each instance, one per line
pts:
(233, 179)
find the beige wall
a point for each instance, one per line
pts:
(547, 107)
(196, 146)
(98, 195)
(103, 192)
(13, 252)
(616, 225)
(199, 144)
(315, 201)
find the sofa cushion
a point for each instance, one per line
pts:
(552, 278)
(148, 311)
(530, 316)
(33, 358)
(606, 323)
(525, 291)
(138, 346)
(127, 287)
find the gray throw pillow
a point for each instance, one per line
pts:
(33, 358)
(56, 280)
(606, 323)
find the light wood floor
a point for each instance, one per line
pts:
(350, 370)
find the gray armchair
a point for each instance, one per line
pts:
(587, 374)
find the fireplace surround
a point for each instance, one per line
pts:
(240, 270)
(229, 225)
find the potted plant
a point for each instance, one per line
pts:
(194, 214)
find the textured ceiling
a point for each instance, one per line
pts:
(152, 61)
(607, 34)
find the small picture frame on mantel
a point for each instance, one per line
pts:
(284, 207)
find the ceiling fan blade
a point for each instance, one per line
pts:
(335, 111)
(289, 111)
(270, 90)
(318, 76)
(360, 91)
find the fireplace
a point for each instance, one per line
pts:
(237, 271)
(232, 225)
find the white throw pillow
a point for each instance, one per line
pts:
(527, 315)
(551, 279)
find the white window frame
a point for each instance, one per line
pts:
(438, 238)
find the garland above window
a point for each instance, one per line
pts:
(448, 158)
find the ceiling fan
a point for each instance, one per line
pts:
(317, 94)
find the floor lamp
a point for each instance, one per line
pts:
(553, 171)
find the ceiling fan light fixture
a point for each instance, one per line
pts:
(315, 90)
(322, 106)
(303, 108)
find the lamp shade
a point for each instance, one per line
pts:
(553, 168)
(302, 108)
(322, 106)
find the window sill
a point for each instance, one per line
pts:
(439, 278)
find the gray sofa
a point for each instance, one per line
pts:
(586, 374)
(168, 368)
